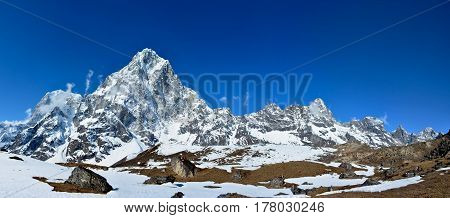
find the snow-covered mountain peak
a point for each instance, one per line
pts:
(272, 108)
(319, 109)
(145, 103)
(401, 128)
(373, 121)
(147, 56)
(427, 134)
(400, 131)
(67, 102)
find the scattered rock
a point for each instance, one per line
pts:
(3, 150)
(183, 167)
(237, 175)
(370, 181)
(409, 174)
(439, 165)
(211, 186)
(307, 183)
(178, 195)
(41, 179)
(87, 179)
(348, 175)
(232, 195)
(277, 182)
(416, 171)
(281, 194)
(389, 173)
(159, 180)
(298, 191)
(346, 166)
(16, 158)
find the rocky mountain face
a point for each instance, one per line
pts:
(408, 138)
(145, 103)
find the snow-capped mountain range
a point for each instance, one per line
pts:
(145, 103)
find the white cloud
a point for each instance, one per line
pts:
(28, 112)
(384, 118)
(223, 99)
(88, 81)
(69, 87)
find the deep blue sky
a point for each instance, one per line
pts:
(402, 73)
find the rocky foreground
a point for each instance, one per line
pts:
(354, 170)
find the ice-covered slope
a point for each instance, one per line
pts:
(145, 103)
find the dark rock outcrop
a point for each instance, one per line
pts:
(277, 182)
(389, 173)
(16, 158)
(237, 175)
(441, 150)
(87, 179)
(183, 167)
(159, 180)
(232, 195)
(369, 182)
(346, 166)
(349, 175)
(298, 191)
(178, 195)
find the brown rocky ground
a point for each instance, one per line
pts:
(263, 174)
(435, 185)
(404, 161)
(89, 166)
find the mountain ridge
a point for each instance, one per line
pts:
(145, 103)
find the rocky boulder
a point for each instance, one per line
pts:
(16, 158)
(183, 167)
(389, 173)
(346, 166)
(348, 175)
(178, 195)
(371, 182)
(298, 191)
(409, 174)
(232, 195)
(88, 180)
(277, 182)
(237, 175)
(159, 180)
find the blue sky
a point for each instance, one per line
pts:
(402, 73)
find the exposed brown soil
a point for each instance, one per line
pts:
(419, 159)
(263, 174)
(90, 166)
(387, 156)
(435, 185)
(151, 154)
